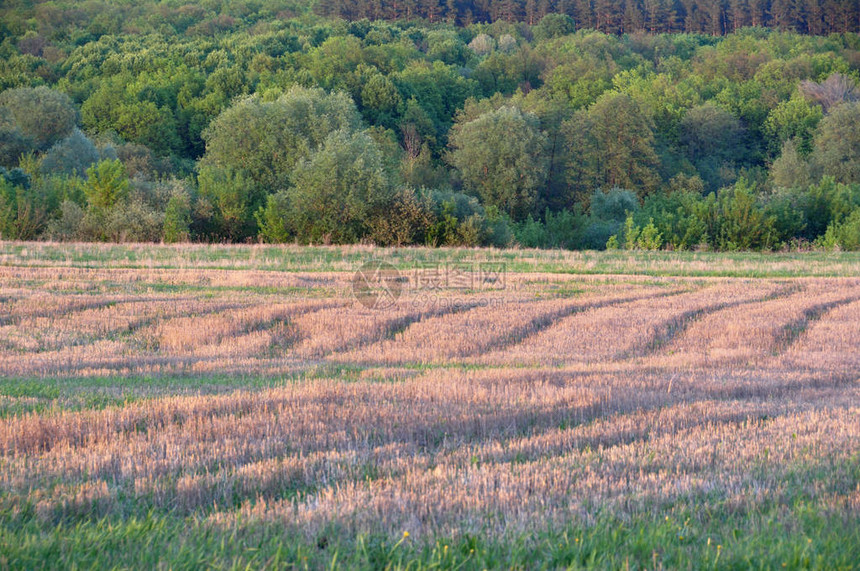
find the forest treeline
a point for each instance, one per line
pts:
(716, 17)
(262, 121)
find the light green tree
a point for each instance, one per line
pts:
(107, 184)
(794, 119)
(790, 169)
(265, 140)
(650, 237)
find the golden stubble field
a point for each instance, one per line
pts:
(492, 411)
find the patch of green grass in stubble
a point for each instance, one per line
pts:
(21, 395)
(43, 395)
(46, 394)
(300, 293)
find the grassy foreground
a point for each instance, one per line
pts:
(797, 532)
(797, 538)
(234, 407)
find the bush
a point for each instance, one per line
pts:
(564, 229)
(613, 205)
(460, 220)
(71, 156)
(407, 221)
(273, 219)
(649, 237)
(829, 202)
(598, 232)
(177, 219)
(452, 231)
(609, 210)
(68, 225)
(133, 221)
(25, 210)
(632, 237)
(531, 233)
(234, 199)
(678, 217)
(843, 235)
(738, 222)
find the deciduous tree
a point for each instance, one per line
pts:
(502, 157)
(612, 145)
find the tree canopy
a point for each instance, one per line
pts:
(502, 157)
(653, 123)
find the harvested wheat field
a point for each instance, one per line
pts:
(191, 407)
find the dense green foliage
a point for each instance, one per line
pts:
(261, 121)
